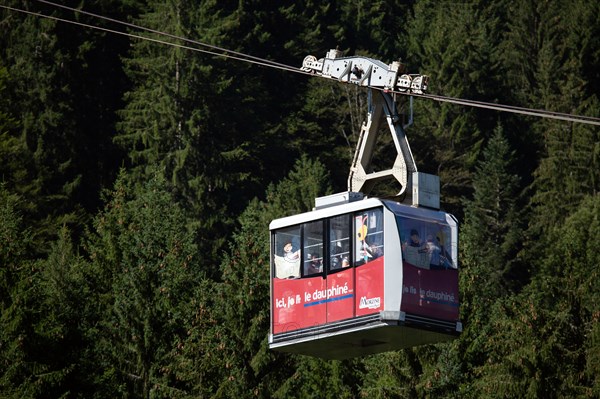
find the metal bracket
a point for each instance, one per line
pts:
(362, 177)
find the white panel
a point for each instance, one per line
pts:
(393, 263)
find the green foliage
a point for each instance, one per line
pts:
(391, 375)
(568, 170)
(15, 243)
(491, 238)
(14, 326)
(297, 192)
(542, 341)
(318, 378)
(455, 45)
(197, 360)
(252, 368)
(12, 151)
(61, 328)
(147, 267)
(37, 99)
(492, 229)
(63, 85)
(167, 294)
(34, 362)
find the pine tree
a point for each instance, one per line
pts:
(391, 375)
(492, 229)
(146, 268)
(543, 342)
(175, 117)
(569, 168)
(64, 85)
(39, 100)
(12, 151)
(454, 44)
(19, 304)
(490, 244)
(253, 369)
(61, 322)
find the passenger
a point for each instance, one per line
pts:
(434, 250)
(288, 265)
(339, 254)
(315, 265)
(289, 253)
(369, 252)
(415, 240)
(345, 262)
(366, 251)
(445, 258)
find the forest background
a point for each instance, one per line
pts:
(138, 181)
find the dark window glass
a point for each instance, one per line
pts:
(286, 252)
(368, 239)
(426, 245)
(339, 242)
(313, 248)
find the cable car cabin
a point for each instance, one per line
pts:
(364, 277)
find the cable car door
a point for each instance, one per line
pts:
(298, 281)
(368, 259)
(314, 293)
(340, 278)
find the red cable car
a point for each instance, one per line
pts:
(363, 277)
(360, 276)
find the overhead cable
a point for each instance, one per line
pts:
(509, 108)
(134, 26)
(226, 53)
(252, 61)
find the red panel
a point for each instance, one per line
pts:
(430, 293)
(297, 303)
(340, 295)
(369, 287)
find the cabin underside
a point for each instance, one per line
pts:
(365, 335)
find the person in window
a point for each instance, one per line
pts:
(335, 262)
(369, 251)
(445, 258)
(315, 265)
(345, 262)
(288, 265)
(434, 251)
(413, 241)
(289, 254)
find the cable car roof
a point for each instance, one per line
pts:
(350, 207)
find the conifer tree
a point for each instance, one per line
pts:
(454, 44)
(12, 149)
(19, 304)
(490, 244)
(38, 96)
(194, 115)
(146, 268)
(543, 342)
(492, 229)
(569, 168)
(65, 83)
(391, 375)
(62, 322)
(253, 369)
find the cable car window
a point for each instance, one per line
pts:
(287, 252)
(368, 243)
(427, 245)
(313, 248)
(339, 242)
